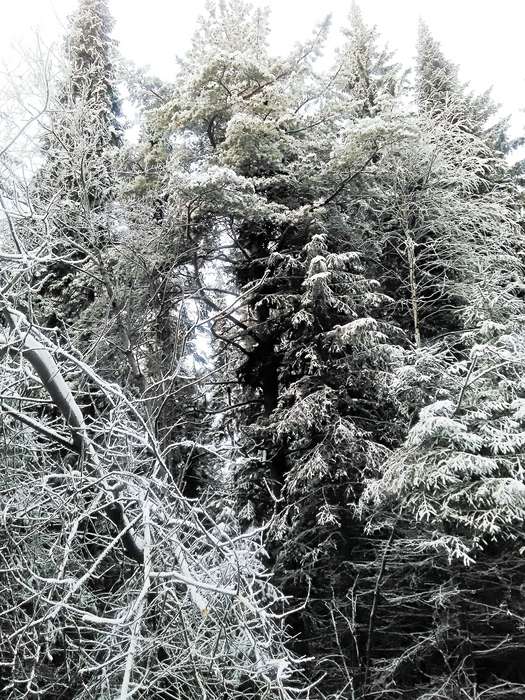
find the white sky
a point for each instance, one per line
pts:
(485, 37)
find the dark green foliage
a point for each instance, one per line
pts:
(311, 289)
(77, 182)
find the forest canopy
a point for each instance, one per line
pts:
(262, 372)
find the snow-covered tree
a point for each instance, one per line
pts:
(113, 583)
(448, 501)
(453, 494)
(261, 179)
(286, 332)
(439, 90)
(76, 183)
(439, 217)
(365, 69)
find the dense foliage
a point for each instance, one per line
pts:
(261, 386)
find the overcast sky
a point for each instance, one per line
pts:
(486, 37)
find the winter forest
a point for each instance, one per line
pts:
(262, 373)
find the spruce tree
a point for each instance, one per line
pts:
(77, 180)
(437, 82)
(365, 69)
(299, 213)
(264, 191)
(439, 90)
(311, 291)
(450, 495)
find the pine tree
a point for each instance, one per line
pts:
(365, 70)
(77, 181)
(301, 211)
(437, 82)
(427, 219)
(440, 91)
(454, 494)
(264, 194)
(450, 496)
(311, 294)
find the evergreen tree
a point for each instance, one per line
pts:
(440, 91)
(428, 219)
(310, 291)
(437, 82)
(264, 189)
(92, 587)
(365, 69)
(77, 181)
(448, 497)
